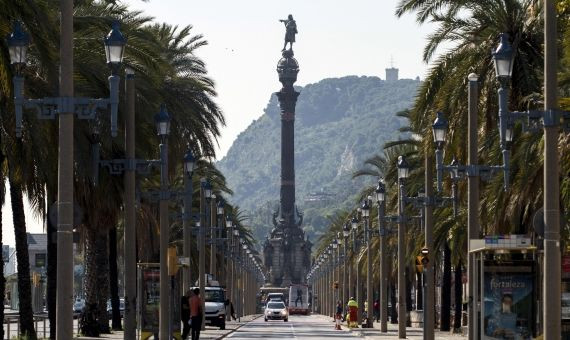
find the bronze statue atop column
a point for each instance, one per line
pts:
(287, 254)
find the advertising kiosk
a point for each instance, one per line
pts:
(506, 293)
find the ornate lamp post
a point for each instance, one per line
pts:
(383, 232)
(403, 173)
(346, 264)
(64, 107)
(367, 235)
(549, 118)
(162, 120)
(205, 196)
(189, 166)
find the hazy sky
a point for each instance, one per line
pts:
(336, 38)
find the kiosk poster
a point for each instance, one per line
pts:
(508, 304)
(150, 304)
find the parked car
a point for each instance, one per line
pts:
(276, 310)
(121, 308)
(565, 305)
(78, 307)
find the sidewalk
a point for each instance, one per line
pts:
(414, 333)
(210, 333)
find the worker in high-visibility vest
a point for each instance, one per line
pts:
(352, 313)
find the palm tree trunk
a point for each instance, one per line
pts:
(88, 323)
(22, 256)
(114, 279)
(51, 268)
(102, 287)
(458, 297)
(419, 292)
(393, 309)
(2, 279)
(408, 296)
(446, 289)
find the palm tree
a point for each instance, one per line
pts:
(473, 36)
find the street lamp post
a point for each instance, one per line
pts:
(551, 279)
(205, 196)
(130, 257)
(162, 120)
(220, 210)
(355, 245)
(334, 263)
(381, 199)
(345, 233)
(429, 273)
(189, 165)
(65, 107)
(550, 120)
(403, 173)
(425, 263)
(229, 262)
(367, 234)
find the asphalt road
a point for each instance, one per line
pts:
(298, 327)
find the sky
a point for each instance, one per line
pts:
(336, 38)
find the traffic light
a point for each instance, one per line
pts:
(172, 261)
(419, 265)
(422, 260)
(36, 279)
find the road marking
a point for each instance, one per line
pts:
(293, 330)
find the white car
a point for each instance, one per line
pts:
(214, 301)
(276, 310)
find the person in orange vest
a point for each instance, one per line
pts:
(352, 313)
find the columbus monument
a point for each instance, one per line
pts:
(286, 251)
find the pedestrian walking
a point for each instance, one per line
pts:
(338, 315)
(196, 314)
(230, 309)
(299, 297)
(352, 313)
(185, 314)
(376, 308)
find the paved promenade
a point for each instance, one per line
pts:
(414, 333)
(210, 333)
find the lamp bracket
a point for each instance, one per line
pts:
(441, 201)
(417, 201)
(391, 219)
(143, 166)
(115, 166)
(534, 120)
(156, 195)
(488, 171)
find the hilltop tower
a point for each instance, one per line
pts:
(286, 251)
(392, 72)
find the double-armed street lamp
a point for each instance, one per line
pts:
(503, 58)
(189, 166)
(205, 197)
(365, 208)
(403, 173)
(382, 232)
(162, 120)
(346, 264)
(532, 120)
(65, 107)
(355, 250)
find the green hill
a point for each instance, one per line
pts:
(339, 123)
